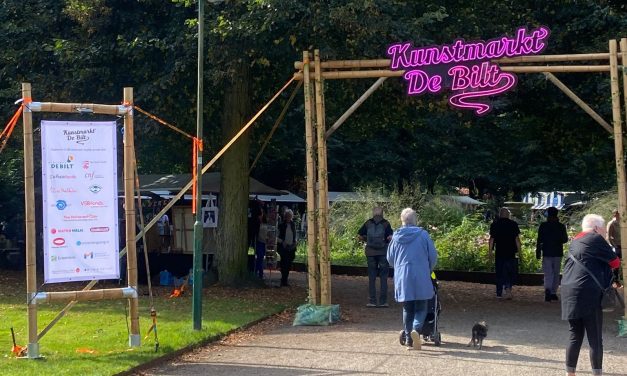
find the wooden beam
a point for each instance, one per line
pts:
(77, 108)
(355, 106)
(323, 187)
(578, 101)
(312, 258)
(374, 73)
(623, 225)
(618, 141)
(102, 294)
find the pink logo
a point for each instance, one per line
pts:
(58, 241)
(53, 231)
(85, 165)
(78, 270)
(469, 72)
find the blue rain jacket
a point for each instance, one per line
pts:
(413, 256)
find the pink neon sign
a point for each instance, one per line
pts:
(469, 73)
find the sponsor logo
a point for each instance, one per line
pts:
(58, 241)
(88, 255)
(97, 242)
(86, 217)
(62, 190)
(78, 270)
(85, 165)
(93, 175)
(59, 176)
(99, 229)
(61, 258)
(95, 188)
(93, 204)
(63, 165)
(61, 204)
(65, 230)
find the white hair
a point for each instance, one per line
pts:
(408, 216)
(288, 211)
(590, 221)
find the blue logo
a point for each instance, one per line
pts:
(61, 204)
(78, 242)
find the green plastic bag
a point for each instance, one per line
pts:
(622, 328)
(310, 314)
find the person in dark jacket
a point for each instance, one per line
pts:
(581, 296)
(549, 246)
(286, 245)
(505, 243)
(377, 233)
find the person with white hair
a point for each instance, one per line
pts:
(376, 232)
(504, 244)
(587, 271)
(413, 255)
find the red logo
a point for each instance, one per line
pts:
(78, 270)
(99, 229)
(58, 241)
(53, 231)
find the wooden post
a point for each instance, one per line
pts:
(129, 202)
(323, 184)
(623, 226)
(312, 259)
(29, 222)
(618, 141)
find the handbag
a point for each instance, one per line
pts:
(611, 299)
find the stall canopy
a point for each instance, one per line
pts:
(210, 183)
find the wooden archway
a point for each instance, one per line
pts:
(316, 132)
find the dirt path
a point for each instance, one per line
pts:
(526, 337)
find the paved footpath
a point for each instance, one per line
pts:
(526, 337)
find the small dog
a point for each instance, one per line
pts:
(479, 332)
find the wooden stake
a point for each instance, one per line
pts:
(623, 226)
(618, 141)
(323, 184)
(312, 259)
(29, 222)
(131, 255)
(578, 101)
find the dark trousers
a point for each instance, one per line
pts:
(592, 325)
(506, 271)
(378, 265)
(287, 258)
(260, 253)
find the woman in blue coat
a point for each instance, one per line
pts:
(413, 256)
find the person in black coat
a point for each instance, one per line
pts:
(286, 241)
(550, 248)
(581, 295)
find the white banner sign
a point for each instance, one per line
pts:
(80, 208)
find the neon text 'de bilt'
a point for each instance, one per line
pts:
(470, 73)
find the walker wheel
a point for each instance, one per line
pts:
(437, 339)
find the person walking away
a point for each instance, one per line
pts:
(550, 248)
(376, 232)
(413, 256)
(503, 245)
(260, 245)
(581, 295)
(287, 244)
(613, 237)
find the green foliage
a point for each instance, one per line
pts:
(465, 247)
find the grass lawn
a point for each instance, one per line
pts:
(92, 339)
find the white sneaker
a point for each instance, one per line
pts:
(416, 340)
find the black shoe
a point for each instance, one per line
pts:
(547, 295)
(554, 297)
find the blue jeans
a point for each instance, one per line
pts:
(260, 253)
(506, 271)
(414, 314)
(378, 265)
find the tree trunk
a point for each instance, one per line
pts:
(232, 232)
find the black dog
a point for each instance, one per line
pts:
(479, 332)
